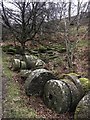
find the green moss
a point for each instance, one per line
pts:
(85, 83)
(74, 74)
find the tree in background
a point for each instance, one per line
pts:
(25, 20)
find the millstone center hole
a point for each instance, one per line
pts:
(50, 96)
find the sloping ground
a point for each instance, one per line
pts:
(17, 105)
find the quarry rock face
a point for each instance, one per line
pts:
(83, 108)
(34, 84)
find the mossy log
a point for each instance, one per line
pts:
(57, 96)
(34, 84)
(83, 108)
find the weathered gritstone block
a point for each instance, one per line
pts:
(57, 96)
(34, 84)
(83, 109)
(75, 94)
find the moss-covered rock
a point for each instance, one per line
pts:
(85, 84)
(83, 109)
(57, 96)
(34, 85)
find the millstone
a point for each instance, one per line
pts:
(23, 65)
(75, 94)
(39, 63)
(57, 96)
(16, 64)
(83, 109)
(25, 73)
(33, 62)
(30, 61)
(34, 84)
(75, 79)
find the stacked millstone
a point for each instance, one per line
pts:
(18, 64)
(83, 108)
(27, 62)
(33, 62)
(63, 95)
(34, 84)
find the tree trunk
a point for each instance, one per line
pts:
(23, 48)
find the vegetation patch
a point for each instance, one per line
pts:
(14, 105)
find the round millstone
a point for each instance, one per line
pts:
(23, 65)
(75, 79)
(57, 96)
(75, 94)
(33, 62)
(83, 109)
(25, 73)
(39, 63)
(30, 60)
(16, 64)
(35, 82)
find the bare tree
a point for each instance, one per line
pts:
(71, 20)
(25, 20)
